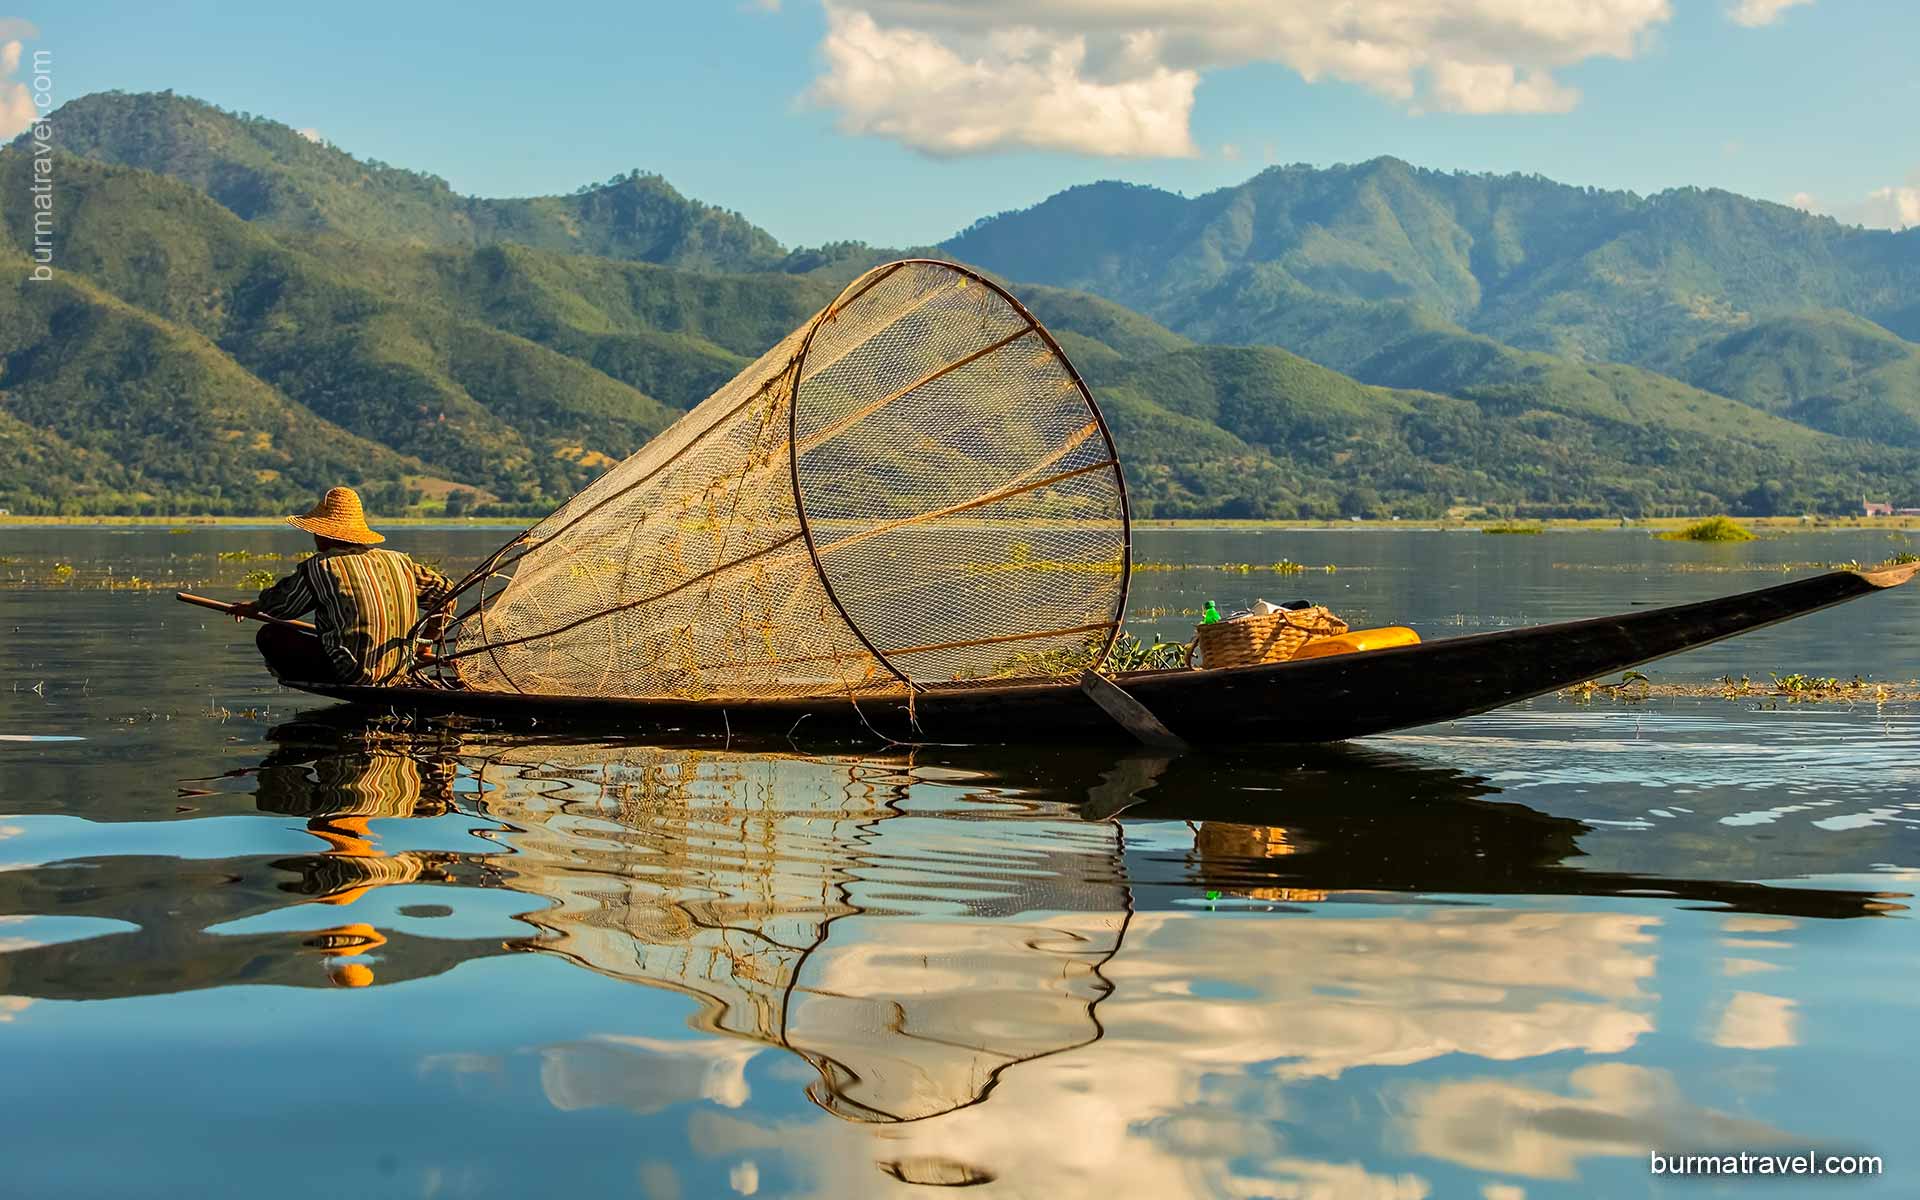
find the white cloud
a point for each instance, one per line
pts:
(1023, 89)
(1896, 206)
(1754, 13)
(1496, 88)
(313, 135)
(1893, 207)
(1118, 76)
(16, 103)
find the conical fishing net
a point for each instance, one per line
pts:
(913, 489)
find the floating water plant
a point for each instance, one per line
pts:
(1514, 527)
(1129, 653)
(1797, 683)
(1622, 690)
(1713, 529)
(1795, 688)
(1285, 566)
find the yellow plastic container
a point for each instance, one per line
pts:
(1355, 640)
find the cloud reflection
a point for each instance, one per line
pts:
(1543, 1130)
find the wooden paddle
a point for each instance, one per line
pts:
(1129, 713)
(229, 609)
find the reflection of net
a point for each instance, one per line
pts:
(909, 952)
(913, 488)
(709, 873)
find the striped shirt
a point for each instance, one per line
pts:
(365, 603)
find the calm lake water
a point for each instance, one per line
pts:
(250, 948)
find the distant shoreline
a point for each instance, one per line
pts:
(1774, 524)
(1557, 524)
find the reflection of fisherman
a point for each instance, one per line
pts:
(343, 793)
(366, 602)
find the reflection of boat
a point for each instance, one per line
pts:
(956, 953)
(934, 936)
(727, 874)
(1353, 819)
(1353, 695)
(931, 959)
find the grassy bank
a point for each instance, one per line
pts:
(1549, 525)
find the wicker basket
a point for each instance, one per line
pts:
(1276, 637)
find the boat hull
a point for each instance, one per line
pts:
(1317, 700)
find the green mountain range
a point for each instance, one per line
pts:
(1409, 277)
(242, 315)
(267, 173)
(1576, 272)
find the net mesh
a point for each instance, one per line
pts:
(912, 489)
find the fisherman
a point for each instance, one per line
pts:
(366, 602)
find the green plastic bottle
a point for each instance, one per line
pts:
(1209, 614)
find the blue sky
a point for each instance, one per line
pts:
(900, 121)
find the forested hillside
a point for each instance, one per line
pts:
(266, 172)
(243, 316)
(1577, 272)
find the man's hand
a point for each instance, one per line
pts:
(435, 626)
(246, 609)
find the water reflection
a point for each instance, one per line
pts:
(813, 905)
(187, 922)
(1348, 819)
(339, 794)
(1542, 1130)
(1175, 958)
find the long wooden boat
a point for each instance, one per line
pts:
(1317, 700)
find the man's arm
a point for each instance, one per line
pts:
(435, 593)
(288, 598)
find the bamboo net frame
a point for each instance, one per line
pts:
(913, 489)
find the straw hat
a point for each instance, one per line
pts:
(340, 517)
